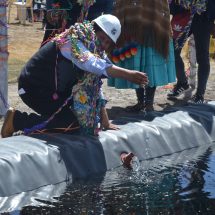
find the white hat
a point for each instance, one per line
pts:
(110, 25)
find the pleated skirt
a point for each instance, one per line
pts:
(160, 71)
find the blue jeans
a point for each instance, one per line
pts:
(201, 28)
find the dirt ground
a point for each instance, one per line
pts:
(25, 40)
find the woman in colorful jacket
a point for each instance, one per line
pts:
(62, 81)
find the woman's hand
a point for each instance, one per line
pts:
(137, 77)
(110, 126)
(134, 76)
(105, 122)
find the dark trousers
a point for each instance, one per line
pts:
(201, 29)
(44, 106)
(146, 95)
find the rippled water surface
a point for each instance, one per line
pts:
(180, 184)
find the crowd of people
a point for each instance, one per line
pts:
(135, 45)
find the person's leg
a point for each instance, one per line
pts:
(180, 69)
(45, 106)
(182, 85)
(65, 120)
(145, 98)
(41, 101)
(201, 29)
(50, 116)
(149, 98)
(140, 92)
(22, 120)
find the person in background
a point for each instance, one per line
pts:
(144, 45)
(62, 81)
(39, 8)
(56, 17)
(192, 17)
(63, 13)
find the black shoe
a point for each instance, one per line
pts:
(149, 107)
(136, 108)
(8, 128)
(197, 99)
(178, 90)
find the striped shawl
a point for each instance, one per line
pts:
(146, 22)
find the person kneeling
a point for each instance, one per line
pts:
(62, 82)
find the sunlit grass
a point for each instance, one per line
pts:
(23, 42)
(20, 51)
(14, 68)
(19, 54)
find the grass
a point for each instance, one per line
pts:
(19, 54)
(23, 42)
(14, 68)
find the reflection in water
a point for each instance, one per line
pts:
(180, 184)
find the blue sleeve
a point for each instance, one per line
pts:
(93, 64)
